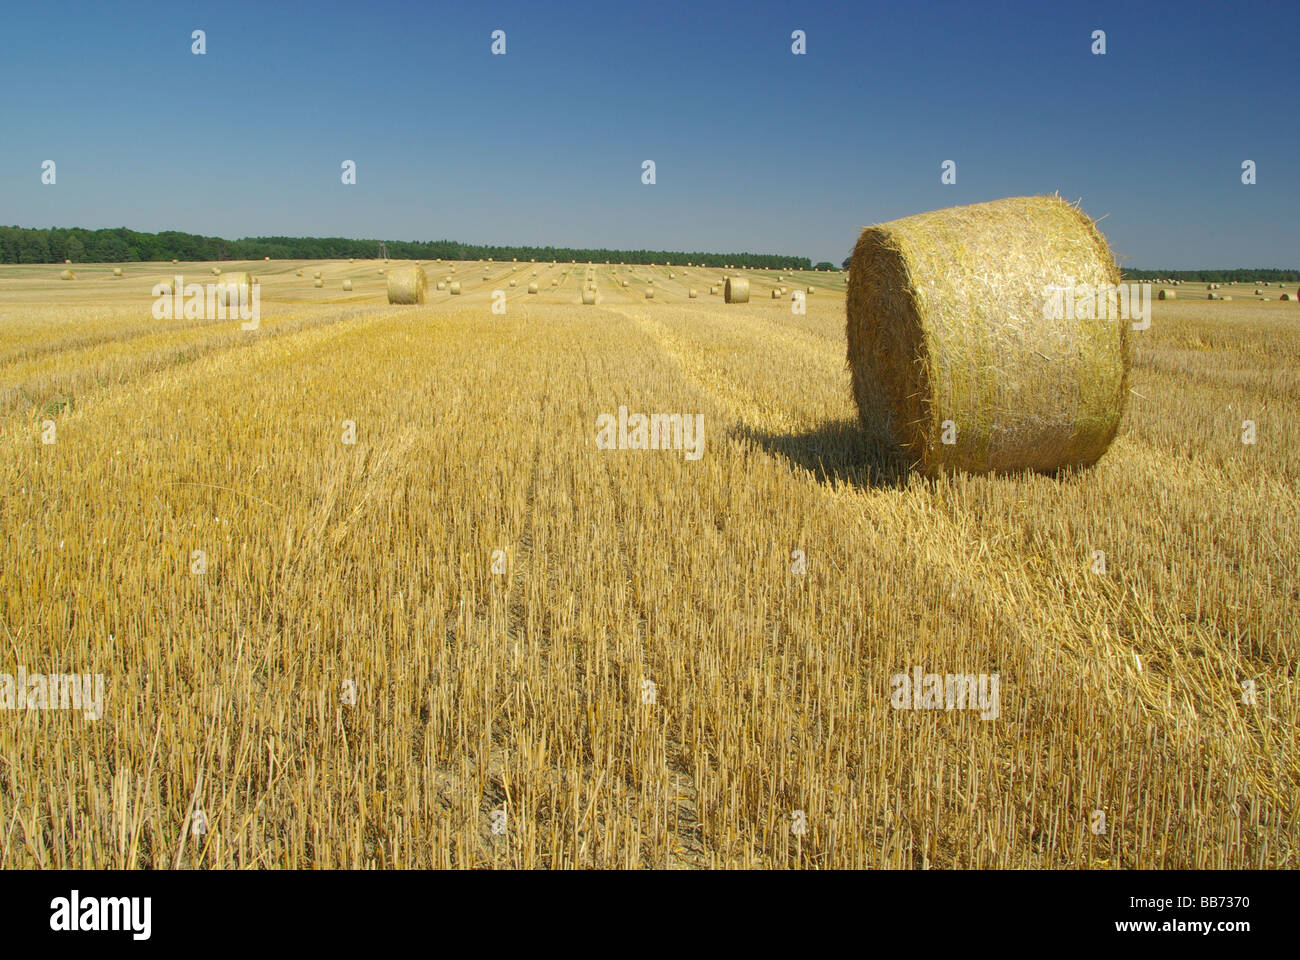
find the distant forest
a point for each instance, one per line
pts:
(120, 245)
(1235, 275)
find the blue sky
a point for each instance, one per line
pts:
(756, 149)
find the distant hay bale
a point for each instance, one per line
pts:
(950, 338)
(266, 258)
(691, 293)
(736, 290)
(532, 288)
(216, 272)
(776, 293)
(318, 282)
(174, 260)
(347, 284)
(69, 275)
(165, 286)
(625, 283)
(381, 273)
(1225, 298)
(117, 272)
(1258, 291)
(234, 287)
(442, 285)
(713, 291)
(407, 285)
(454, 289)
(1168, 295)
(69, 261)
(1286, 296)
(588, 297)
(512, 283)
(317, 273)
(649, 293)
(1211, 296)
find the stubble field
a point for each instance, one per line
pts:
(673, 663)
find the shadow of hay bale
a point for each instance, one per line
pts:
(836, 452)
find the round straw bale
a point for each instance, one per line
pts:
(532, 288)
(300, 273)
(216, 272)
(117, 272)
(588, 297)
(69, 275)
(949, 338)
(229, 284)
(454, 289)
(649, 293)
(1168, 295)
(809, 290)
(1225, 298)
(347, 284)
(713, 291)
(174, 260)
(317, 273)
(442, 284)
(69, 261)
(775, 293)
(691, 293)
(1211, 296)
(736, 290)
(318, 282)
(625, 283)
(407, 285)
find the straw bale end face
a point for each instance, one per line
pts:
(407, 285)
(959, 360)
(735, 290)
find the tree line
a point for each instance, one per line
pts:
(1235, 275)
(120, 245)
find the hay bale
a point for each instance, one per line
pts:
(347, 284)
(1168, 295)
(407, 285)
(625, 283)
(809, 290)
(318, 282)
(216, 272)
(1225, 298)
(69, 261)
(1211, 296)
(713, 291)
(454, 289)
(736, 290)
(1258, 291)
(317, 273)
(1285, 296)
(947, 321)
(300, 273)
(69, 275)
(691, 293)
(166, 286)
(589, 297)
(649, 293)
(117, 272)
(230, 284)
(532, 288)
(776, 293)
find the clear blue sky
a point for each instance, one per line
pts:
(756, 149)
